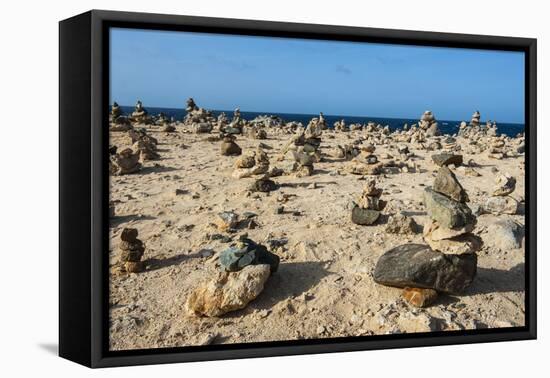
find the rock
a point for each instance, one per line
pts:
(505, 185)
(364, 216)
(401, 224)
(228, 291)
(447, 183)
(435, 232)
(447, 212)
(419, 297)
(501, 205)
(457, 245)
(125, 162)
(247, 252)
(129, 234)
(246, 161)
(229, 147)
(131, 251)
(447, 159)
(416, 265)
(505, 234)
(227, 220)
(264, 185)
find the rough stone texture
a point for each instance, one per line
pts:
(364, 217)
(447, 159)
(419, 297)
(505, 234)
(230, 148)
(448, 213)
(247, 252)
(416, 265)
(501, 205)
(401, 224)
(458, 245)
(435, 232)
(447, 183)
(227, 220)
(228, 291)
(505, 184)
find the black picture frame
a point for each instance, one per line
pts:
(83, 181)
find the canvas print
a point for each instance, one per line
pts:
(269, 189)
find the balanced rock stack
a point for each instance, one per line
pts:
(199, 119)
(340, 125)
(125, 162)
(306, 148)
(429, 124)
(139, 114)
(451, 223)
(237, 123)
(229, 147)
(118, 122)
(131, 251)
(368, 207)
(246, 267)
(251, 164)
(501, 202)
(366, 163)
(475, 121)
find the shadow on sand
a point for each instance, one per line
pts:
(291, 280)
(498, 281)
(121, 219)
(159, 263)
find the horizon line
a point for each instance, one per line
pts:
(316, 114)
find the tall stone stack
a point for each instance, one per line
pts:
(451, 220)
(131, 251)
(369, 205)
(140, 115)
(200, 120)
(476, 117)
(501, 202)
(449, 263)
(429, 124)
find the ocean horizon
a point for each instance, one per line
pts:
(446, 126)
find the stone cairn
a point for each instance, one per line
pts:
(429, 124)
(229, 147)
(124, 162)
(256, 164)
(450, 265)
(200, 121)
(449, 229)
(501, 202)
(369, 205)
(305, 147)
(131, 251)
(117, 121)
(340, 125)
(236, 125)
(366, 162)
(140, 115)
(245, 268)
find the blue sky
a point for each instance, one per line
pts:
(281, 75)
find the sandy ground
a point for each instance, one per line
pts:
(324, 286)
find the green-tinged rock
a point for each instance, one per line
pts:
(247, 252)
(364, 217)
(447, 212)
(446, 183)
(416, 265)
(447, 159)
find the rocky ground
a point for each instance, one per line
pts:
(324, 285)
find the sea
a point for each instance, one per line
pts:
(445, 126)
